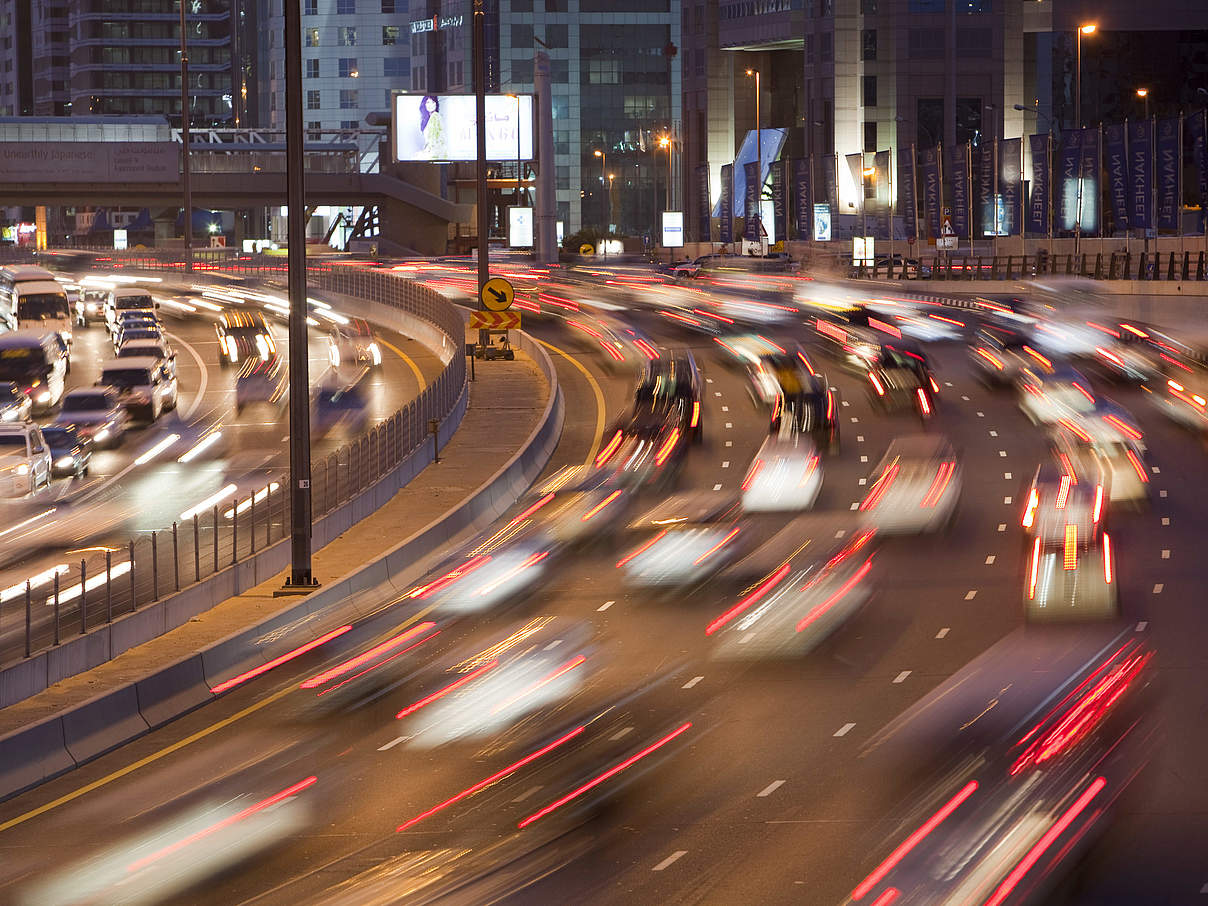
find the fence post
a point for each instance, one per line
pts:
(234, 530)
(253, 535)
(83, 596)
(196, 550)
(56, 608)
(133, 590)
(434, 427)
(215, 537)
(1170, 268)
(175, 556)
(1186, 264)
(1199, 268)
(29, 607)
(108, 586)
(154, 567)
(1098, 265)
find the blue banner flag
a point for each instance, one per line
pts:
(1089, 172)
(751, 208)
(1042, 180)
(725, 205)
(959, 168)
(1140, 175)
(884, 210)
(1169, 165)
(983, 222)
(908, 191)
(780, 208)
(1199, 151)
(933, 189)
(1010, 184)
(803, 198)
(1067, 175)
(1115, 159)
(704, 206)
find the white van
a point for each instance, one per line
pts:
(144, 385)
(42, 305)
(37, 363)
(127, 298)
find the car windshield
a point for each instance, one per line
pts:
(141, 333)
(85, 402)
(247, 332)
(59, 435)
(134, 302)
(131, 350)
(12, 441)
(126, 377)
(42, 307)
(22, 363)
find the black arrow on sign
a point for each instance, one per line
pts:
(499, 297)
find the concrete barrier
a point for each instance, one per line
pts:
(102, 723)
(32, 755)
(172, 691)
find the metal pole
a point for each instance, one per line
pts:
(253, 534)
(215, 537)
(29, 618)
(185, 182)
(56, 608)
(759, 170)
(154, 567)
(83, 596)
(519, 190)
(196, 549)
(234, 531)
(480, 124)
(176, 556)
(108, 586)
(133, 591)
(299, 363)
(1078, 80)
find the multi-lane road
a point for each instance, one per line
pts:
(767, 797)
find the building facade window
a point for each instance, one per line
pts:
(868, 45)
(310, 8)
(314, 128)
(396, 67)
(348, 124)
(522, 36)
(312, 99)
(347, 67)
(870, 137)
(557, 35)
(387, 7)
(389, 35)
(868, 7)
(346, 7)
(348, 99)
(826, 47)
(312, 69)
(870, 91)
(346, 36)
(311, 38)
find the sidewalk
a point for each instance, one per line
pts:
(505, 404)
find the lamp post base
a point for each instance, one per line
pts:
(290, 588)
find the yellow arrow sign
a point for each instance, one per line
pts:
(497, 294)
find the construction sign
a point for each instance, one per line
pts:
(494, 320)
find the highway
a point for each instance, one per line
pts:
(122, 497)
(765, 796)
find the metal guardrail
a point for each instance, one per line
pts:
(1145, 266)
(154, 565)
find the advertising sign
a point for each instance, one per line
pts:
(520, 227)
(984, 218)
(933, 191)
(830, 182)
(908, 191)
(1038, 201)
(443, 127)
(1140, 174)
(673, 229)
(803, 196)
(726, 205)
(89, 162)
(119, 240)
(1115, 156)
(780, 208)
(1010, 184)
(751, 201)
(1067, 174)
(1170, 172)
(961, 199)
(822, 223)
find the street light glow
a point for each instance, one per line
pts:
(1088, 29)
(1142, 92)
(599, 153)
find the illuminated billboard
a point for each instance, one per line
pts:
(443, 127)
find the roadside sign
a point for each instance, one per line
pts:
(946, 243)
(587, 249)
(494, 320)
(946, 228)
(497, 294)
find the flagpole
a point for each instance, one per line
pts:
(969, 195)
(914, 181)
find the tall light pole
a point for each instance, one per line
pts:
(869, 173)
(665, 142)
(1088, 29)
(185, 182)
(1143, 94)
(758, 163)
(605, 186)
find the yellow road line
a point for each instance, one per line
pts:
(595, 387)
(178, 745)
(419, 375)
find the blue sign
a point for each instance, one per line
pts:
(726, 205)
(1115, 158)
(1039, 199)
(908, 191)
(1140, 174)
(804, 196)
(933, 189)
(959, 167)
(1169, 161)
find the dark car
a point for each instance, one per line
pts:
(243, 335)
(999, 354)
(648, 449)
(671, 384)
(901, 378)
(813, 410)
(70, 450)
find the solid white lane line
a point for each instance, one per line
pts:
(769, 789)
(670, 860)
(943, 632)
(603, 607)
(620, 734)
(990, 560)
(527, 793)
(901, 677)
(393, 743)
(970, 595)
(844, 730)
(692, 682)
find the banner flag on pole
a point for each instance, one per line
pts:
(1169, 164)
(908, 191)
(1042, 182)
(803, 197)
(1010, 184)
(933, 189)
(726, 205)
(959, 167)
(1115, 156)
(704, 206)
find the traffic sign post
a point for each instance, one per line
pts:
(497, 294)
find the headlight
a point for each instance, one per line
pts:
(23, 469)
(101, 435)
(334, 355)
(375, 353)
(10, 415)
(232, 351)
(64, 462)
(44, 396)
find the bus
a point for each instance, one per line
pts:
(32, 297)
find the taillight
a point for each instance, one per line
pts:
(1107, 558)
(695, 414)
(1071, 547)
(1029, 514)
(877, 384)
(924, 403)
(1035, 567)
(1098, 504)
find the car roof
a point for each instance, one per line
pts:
(82, 391)
(131, 291)
(26, 337)
(919, 446)
(16, 427)
(131, 362)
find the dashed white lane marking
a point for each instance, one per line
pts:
(1165, 554)
(1156, 470)
(863, 459)
(943, 632)
(1162, 493)
(709, 380)
(692, 682)
(670, 860)
(717, 487)
(1002, 453)
(725, 408)
(970, 595)
(603, 607)
(1006, 475)
(846, 403)
(729, 424)
(981, 415)
(854, 420)
(725, 464)
(729, 443)
(1165, 520)
(859, 438)
(990, 560)
(855, 506)
(1002, 526)
(1007, 500)
(1142, 626)
(620, 734)
(901, 677)
(769, 789)
(527, 793)
(965, 398)
(717, 393)
(393, 743)
(994, 434)
(554, 644)
(862, 481)
(844, 730)
(947, 383)
(1157, 589)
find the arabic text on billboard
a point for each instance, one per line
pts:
(443, 127)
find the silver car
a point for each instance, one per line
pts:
(97, 413)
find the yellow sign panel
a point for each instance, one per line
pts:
(497, 294)
(494, 320)
(587, 249)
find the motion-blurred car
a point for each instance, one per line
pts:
(1057, 498)
(849, 339)
(97, 413)
(683, 555)
(136, 330)
(1071, 577)
(903, 267)
(15, 406)
(779, 374)
(1047, 395)
(648, 449)
(338, 405)
(785, 475)
(574, 505)
(243, 335)
(490, 575)
(127, 298)
(1013, 765)
(159, 349)
(671, 384)
(70, 450)
(1104, 455)
(354, 344)
(1180, 391)
(999, 355)
(261, 381)
(915, 488)
(25, 462)
(899, 379)
(812, 576)
(90, 306)
(813, 411)
(144, 386)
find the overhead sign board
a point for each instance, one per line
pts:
(673, 229)
(497, 294)
(494, 320)
(443, 127)
(89, 162)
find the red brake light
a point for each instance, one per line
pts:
(877, 384)
(1034, 569)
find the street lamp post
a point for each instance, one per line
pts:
(1088, 29)
(665, 142)
(605, 186)
(758, 164)
(185, 181)
(868, 173)
(1143, 94)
